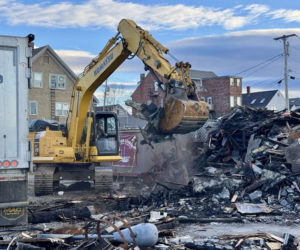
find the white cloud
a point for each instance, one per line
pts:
(287, 15)
(236, 52)
(74, 53)
(115, 93)
(122, 83)
(256, 10)
(262, 32)
(108, 13)
(75, 59)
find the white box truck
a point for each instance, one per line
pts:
(15, 72)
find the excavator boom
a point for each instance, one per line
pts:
(182, 112)
(85, 150)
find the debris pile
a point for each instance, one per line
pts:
(249, 158)
(247, 166)
(262, 241)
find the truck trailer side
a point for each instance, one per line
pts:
(15, 71)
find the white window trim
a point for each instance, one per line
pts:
(239, 101)
(231, 81)
(238, 82)
(36, 104)
(155, 86)
(232, 104)
(32, 80)
(57, 75)
(62, 110)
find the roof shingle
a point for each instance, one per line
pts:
(258, 99)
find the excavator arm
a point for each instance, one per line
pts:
(182, 112)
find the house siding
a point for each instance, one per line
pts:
(277, 103)
(43, 95)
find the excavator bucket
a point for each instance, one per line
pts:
(183, 116)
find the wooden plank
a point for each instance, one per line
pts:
(239, 243)
(275, 152)
(273, 245)
(234, 197)
(296, 185)
(274, 237)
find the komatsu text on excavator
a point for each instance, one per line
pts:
(85, 150)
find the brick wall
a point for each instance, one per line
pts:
(220, 90)
(145, 91)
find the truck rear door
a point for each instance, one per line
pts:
(8, 104)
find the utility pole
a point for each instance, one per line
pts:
(286, 54)
(105, 90)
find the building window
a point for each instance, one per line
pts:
(198, 83)
(209, 100)
(61, 109)
(238, 82)
(262, 100)
(231, 81)
(202, 98)
(57, 81)
(239, 101)
(33, 107)
(231, 101)
(37, 80)
(155, 86)
(253, 101)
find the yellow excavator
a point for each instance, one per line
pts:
(85, 150)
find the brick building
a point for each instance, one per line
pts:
(148, 91)
(221, 93)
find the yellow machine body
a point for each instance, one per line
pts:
(183, 112)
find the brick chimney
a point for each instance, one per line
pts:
(248, 90)
(142, 77)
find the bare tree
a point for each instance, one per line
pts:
(114, 95)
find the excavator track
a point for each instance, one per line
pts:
(103, 179)
(43, 180)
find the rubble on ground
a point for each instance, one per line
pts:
(248, 157)
(247, 169)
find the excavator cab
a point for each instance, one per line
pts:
(106, 133)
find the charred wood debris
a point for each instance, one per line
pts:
(247, 170)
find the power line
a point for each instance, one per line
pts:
(264, 83)
(270, 59)
(294, 47)
(266, 64)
